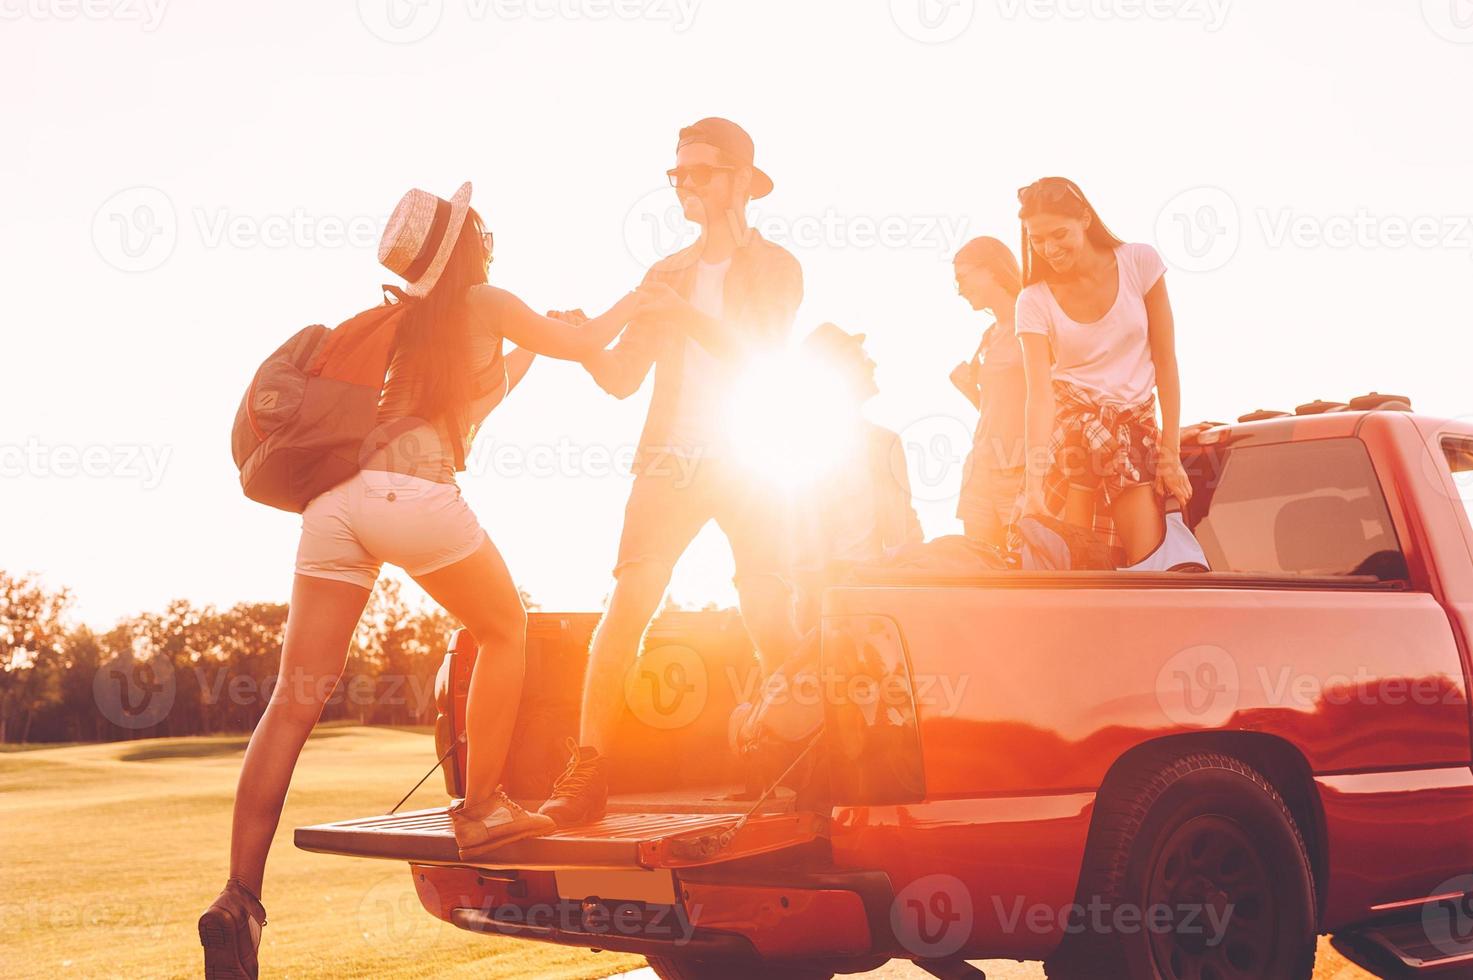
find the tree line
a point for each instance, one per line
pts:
(197, 670)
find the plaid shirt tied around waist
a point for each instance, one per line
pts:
(1104, 448)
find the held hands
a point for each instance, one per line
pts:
(574, 318)
(1171, 477)
(661, 305)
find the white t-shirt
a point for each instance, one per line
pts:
(700, 421)
(1111, 357)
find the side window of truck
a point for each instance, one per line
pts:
(1306, 508)
(1460, 459)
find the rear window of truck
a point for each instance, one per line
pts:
(1305, 508)
(1460, 460)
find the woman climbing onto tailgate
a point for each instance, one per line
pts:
(1099, 346)
(404, 506)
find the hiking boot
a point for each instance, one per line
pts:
(230, 932)
(581, 792)
(501, 823)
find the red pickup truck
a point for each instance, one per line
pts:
(1122, 774)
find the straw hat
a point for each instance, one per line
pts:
(420, 236)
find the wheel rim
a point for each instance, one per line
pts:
(1223, 910)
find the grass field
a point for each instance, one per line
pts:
(110, 852)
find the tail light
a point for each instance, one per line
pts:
(874, 741)
(452, 686)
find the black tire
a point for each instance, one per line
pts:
(1199, 830)
(683, 968)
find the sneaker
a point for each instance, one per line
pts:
(581, 792)
(230, 932)
(504, 823)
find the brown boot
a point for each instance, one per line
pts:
(581, 793)
(497, 824)
(230, 932)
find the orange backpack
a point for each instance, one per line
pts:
(303, 422)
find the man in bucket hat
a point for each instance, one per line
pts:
(709, 310)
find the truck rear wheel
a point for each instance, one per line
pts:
(682, 968)
(1195, 869)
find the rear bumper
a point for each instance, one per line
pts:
(725, 914)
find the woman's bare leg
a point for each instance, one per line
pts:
(319, 628)
(1140, 522)
(479, 592)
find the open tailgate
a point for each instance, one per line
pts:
(634, 840)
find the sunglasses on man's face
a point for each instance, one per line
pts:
(696, 175)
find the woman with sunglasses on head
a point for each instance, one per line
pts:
(1099, 349)
(403, 506)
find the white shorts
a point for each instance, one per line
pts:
(376, 516)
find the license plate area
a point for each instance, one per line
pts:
(649, 887)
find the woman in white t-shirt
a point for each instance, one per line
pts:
(1098, 349)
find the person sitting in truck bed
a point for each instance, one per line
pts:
(861, 507)
(1099, 345)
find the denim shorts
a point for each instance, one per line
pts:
(376, 516)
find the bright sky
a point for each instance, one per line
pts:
(185, 184)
